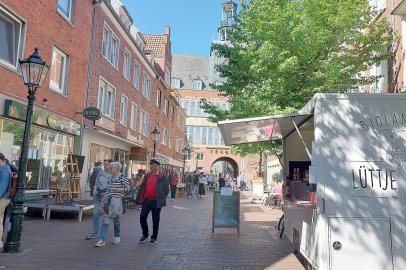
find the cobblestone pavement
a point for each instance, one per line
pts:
(185, 241)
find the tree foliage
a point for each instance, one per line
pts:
(284, 51)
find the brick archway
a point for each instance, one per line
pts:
(231, 161)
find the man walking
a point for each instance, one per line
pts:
(112, 203)
(99, 190)
(152, 195)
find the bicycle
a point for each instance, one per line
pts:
(281, 225)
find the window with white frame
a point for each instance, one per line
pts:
(65, 8)
(167, 77)
(199, 156)
(171, 112)
(158, 98)
(170, 140)
(110, 46)
(11, 31)
(126, 65)
(133, 120)
(164, 136)
(106, 99)
(59, 71)
(144, 123)
(136, 78)
(176, 82)
(178, 118)
(166, 106)
(146, 87)
(123, 110)
(197, 85)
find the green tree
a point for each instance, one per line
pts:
(284, 51)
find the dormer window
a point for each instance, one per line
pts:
(176, 82)
(197, 85)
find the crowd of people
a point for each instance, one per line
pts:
(110, 187)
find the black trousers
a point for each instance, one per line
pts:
(150, 206)
(173, 191)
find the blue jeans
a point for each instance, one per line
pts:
(96, 214)
(105, 227)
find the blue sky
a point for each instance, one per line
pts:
(193, 22)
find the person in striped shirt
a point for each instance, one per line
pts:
(112, 203)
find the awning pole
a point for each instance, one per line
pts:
(300, 135)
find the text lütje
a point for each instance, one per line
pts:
(373, 178)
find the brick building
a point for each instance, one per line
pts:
(61, 30)
(99, 59)
(129, 81)
(193, 76)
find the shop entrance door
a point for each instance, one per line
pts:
(122, 157)
(360, 243)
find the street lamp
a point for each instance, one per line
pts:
(34, 71)
(185, 151)
(155, 136)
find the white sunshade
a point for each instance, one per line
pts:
(259, 129)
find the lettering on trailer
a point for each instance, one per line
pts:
(373, 178)
(383, 121)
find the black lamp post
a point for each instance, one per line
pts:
(155, 136)
(34, 71)
(185, 151)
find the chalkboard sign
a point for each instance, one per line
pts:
(226, 211)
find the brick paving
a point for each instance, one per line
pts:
(185, 242)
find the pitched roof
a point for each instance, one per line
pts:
(155, 43)
(189, 68)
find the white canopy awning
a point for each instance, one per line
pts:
(259, 129)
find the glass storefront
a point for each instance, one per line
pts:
(48, 150)
(100, 153)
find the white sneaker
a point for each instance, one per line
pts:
(101, 243)
(116, 240)
(1, 245)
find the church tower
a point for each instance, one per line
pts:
(226, 27)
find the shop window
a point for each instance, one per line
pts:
(47, 152)
(11, 31)
(59, 71)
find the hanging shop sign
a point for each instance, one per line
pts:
(92, 113)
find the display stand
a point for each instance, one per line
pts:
(226, 211)
(73, 175)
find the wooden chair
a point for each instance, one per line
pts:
(58, 188)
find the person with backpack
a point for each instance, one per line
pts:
(5, 184)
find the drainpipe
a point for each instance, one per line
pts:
(89, 64)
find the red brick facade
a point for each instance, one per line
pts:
(46, 28)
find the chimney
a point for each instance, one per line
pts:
(168, 31)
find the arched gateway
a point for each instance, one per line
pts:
(230, 161)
